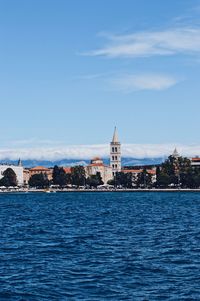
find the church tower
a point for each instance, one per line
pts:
(175, 154)
(115, 153)
(19, 162)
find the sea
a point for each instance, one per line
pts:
(100, 246)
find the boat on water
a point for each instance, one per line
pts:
(50, 191)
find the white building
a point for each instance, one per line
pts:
(97, 165)
(115, 154)
(18, 169)
(195, 162)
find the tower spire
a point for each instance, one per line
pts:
(115, 136)
(19, 162)
(175, 153)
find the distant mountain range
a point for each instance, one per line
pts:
(72, 162)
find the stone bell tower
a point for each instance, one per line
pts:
(115, 153)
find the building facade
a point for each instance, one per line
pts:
(18, 169)
(97, 165)
(41, 169)
(115, 154)
(195, 162)
(26, 176)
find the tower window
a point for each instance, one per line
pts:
(113, 149)
(116, 149)
(115, 165)
(115, 157)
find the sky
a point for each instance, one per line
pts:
(72, 70)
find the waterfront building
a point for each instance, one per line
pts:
(115, 154)
(135, 173)
(41, 169)
(18, 169)
(29, 172)
(26, 176)
(195, 162)
(97, 165)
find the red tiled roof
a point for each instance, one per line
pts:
(39, 168)
(132, 170)
(150, 171)
(196, 159)
(96, 159)
(96, 164)
(67, 169)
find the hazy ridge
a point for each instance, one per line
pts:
(72, 162)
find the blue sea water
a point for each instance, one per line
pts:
(100, 246)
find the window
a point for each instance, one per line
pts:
(113, 149)
(116, 149)
(116, 158)
(115, 165)
(113, 158)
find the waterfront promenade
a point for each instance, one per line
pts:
(97, 190)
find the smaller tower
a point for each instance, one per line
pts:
(175, 154)
(19, 162)
(115, 153)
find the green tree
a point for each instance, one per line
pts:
(191, 178)
(4, 182)
(124, 179)
(94, 180)
(39, 180)
(176, 171)
(111, 182)
(78, 175)
(60, 177)
(144, 179)
(9, 178)
(162, 180)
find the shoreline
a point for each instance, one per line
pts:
(99, 190)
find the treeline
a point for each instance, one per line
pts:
(129, 180)
(175, 172)
(60, 178)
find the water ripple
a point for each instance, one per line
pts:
(100, 246)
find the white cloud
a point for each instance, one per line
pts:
(102, 150)
(136, 82)
(172, 41)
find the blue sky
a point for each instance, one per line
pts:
(72, 70)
